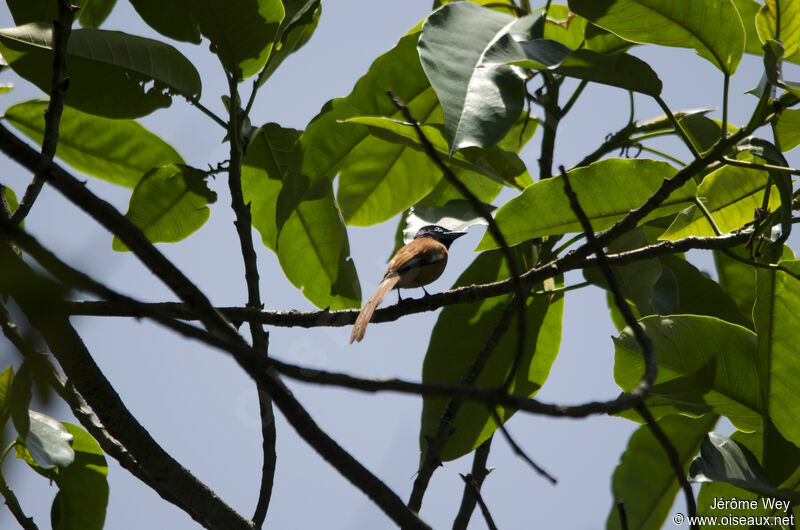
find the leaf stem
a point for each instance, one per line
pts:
(205, 110)
(573, 98)
(725, 89)
(678, 127)
(707, 215)
(662, 154)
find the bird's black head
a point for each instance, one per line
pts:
(440, 234)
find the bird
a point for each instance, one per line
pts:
(416, 264)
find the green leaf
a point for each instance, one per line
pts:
(265, 168)
(766, 23)
(607, 191)
(6, 87)
(602, 41)
(25, 11)
(95, 12)
(119, 151)
(169, 204)
(788, 129)
(242, 32)
(20, 399)
(458, 336)
(777, 318)
(737, 279)
(704, 364)
(480, 104)
(81, 501)
(6, 380)
(110, 72)
(503, 166)
(712, 27)
(620, 69)
(296, 29)
(171, 18)
(723, 460)
(49, 443)
(730, 194)
(697, 294)
(11, 198)
(563, 26)
(314, 252)
(644, 480)
(378, 179)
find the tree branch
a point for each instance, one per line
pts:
(244, 230)
(518, 450)
(477, 475)
(14, 507)
(470, 483)
(52, 116)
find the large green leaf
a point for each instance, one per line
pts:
(602, 41)
(110, 72)
(82, 497)
(704, 364)
(95, 12)
(563, 26)
(730, 194)
(712, 27)
(242, 32)
(378, 179)
(119, 151)
(495, 162)
(48, 442)
(607, 191)
(777, 319)
(264, 170)
(480, 104)
(766, 23)
(314, 251)
(458, 336)
(644, 480)
(169, 204)
(172, 18)
(787, 129)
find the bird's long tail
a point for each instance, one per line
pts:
(360, 327)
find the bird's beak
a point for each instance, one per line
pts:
(453, 235)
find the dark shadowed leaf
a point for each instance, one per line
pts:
(458, 336)
(82, 497)
(25, 11)
(718, 38)
(777, 318)
(95, 12)
(171, 18)
(607, 191)
(169, 204)
(119, 151)
(296, 29)
(112, 74)
(644, 480)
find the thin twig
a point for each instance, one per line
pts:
(477, 475)
(623, 515)
(14, 507)
(195, 101)
(432, 455)
(244, 230)
(52, 115)
(674, 461)
(678, 127)
(518, 450)
(487, 516)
